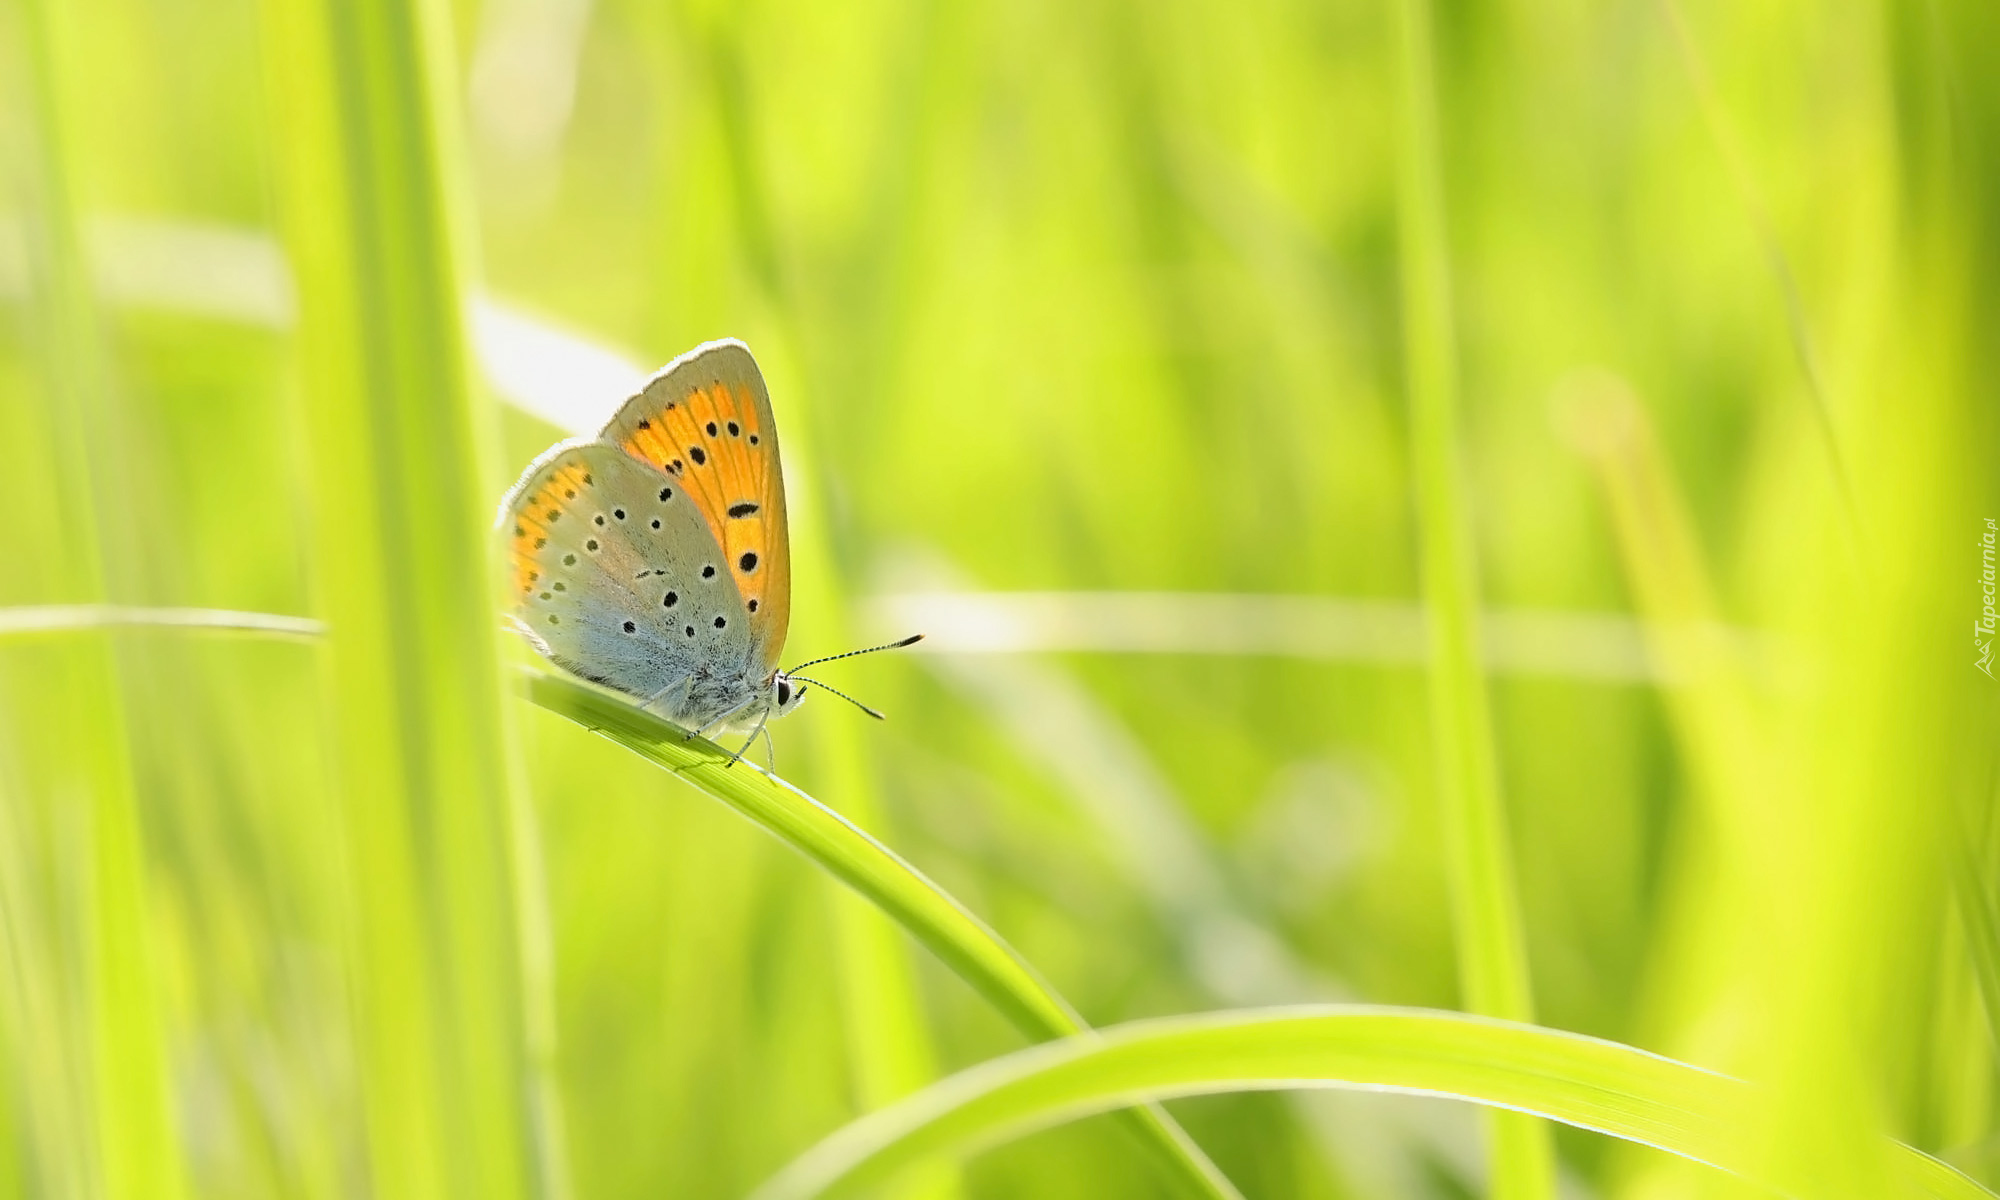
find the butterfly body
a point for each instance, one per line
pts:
(653, 558)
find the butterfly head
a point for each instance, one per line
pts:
(785, 695)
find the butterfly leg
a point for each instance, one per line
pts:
(738, 756)
(770, 750)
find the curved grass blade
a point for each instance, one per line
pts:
(944, 926)
(1582, 1081)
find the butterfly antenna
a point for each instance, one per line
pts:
(836, 691)
(908, 641)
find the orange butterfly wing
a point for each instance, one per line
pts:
(705, 419)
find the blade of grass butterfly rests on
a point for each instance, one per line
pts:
(654, 559)
(1592, 1084)
(974, 952)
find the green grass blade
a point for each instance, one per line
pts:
(888, 1033)
(943, 925)
(889, 1047)
(890, 1053)
(1982, 925)
(402, 557)
(37, 620)
(1729, 146)
(125, 1121)
(1592, 1084)
(1493, 961)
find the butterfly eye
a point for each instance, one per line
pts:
(784, 693)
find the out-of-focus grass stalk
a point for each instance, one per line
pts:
(888, 1042)
(889, 1047)
(974, 952)
(1718, 727)
(1710, 704)
(134, 1144)
(1982, 923)
(44, 1148)
(1492, 958)
(424, 768)
(890, 1052)
(1751, 198)
(1819, 803)
(1895, 731)
(1945, 121)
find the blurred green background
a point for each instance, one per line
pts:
(1100, 303)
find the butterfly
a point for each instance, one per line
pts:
(653, 558)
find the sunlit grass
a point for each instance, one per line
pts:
(850, 855)
(1109, 345)
(1479, 856)
(423, 760)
